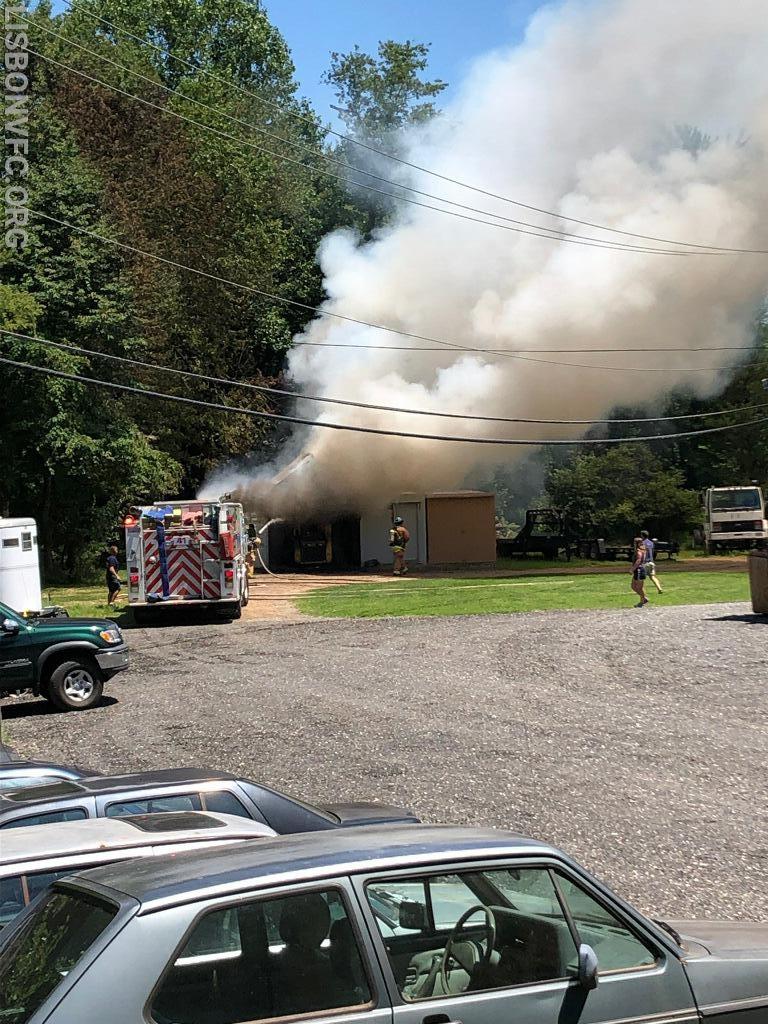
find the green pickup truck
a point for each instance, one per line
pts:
(64, 660)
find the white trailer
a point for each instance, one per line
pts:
(734, 517)
(20, 565)
(186, 552)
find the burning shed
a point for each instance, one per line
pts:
(448, 529)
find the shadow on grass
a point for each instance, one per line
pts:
(41, 708)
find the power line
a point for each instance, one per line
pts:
(401, 160)
(554, 233)
(284, 393)
(560, 237)
(543, 351)
(450, 346)
(283, 418)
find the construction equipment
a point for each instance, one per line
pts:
(545, 532)
(548, 531)
(186, 552)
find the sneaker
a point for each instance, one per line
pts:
(641, 604)
(403, 572)
(396, 572)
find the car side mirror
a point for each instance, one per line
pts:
(588, 967)
(412, 915)
(10, 626)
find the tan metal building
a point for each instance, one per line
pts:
(461, 528)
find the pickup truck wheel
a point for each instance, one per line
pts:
(75, 686)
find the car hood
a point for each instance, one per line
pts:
(727, 964)
(725, 938)
(370, 814)
(94, 624)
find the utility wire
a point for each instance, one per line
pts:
(556, 233)
(543, 351)
(284, 393)
(450, 346)
(397, 159)
(283, 418)
(573, 240)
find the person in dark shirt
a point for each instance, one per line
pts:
(650, 560)
(113, 579)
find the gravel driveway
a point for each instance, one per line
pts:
(635, 739)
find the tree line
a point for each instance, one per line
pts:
(75, 457)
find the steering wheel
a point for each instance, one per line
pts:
(490, 937)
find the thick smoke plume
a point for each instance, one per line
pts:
(582, 118)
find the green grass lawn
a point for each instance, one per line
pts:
(480, 596)
(84, 599)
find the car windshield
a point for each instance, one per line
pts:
(49, 944)
(744, 498)
(8, 613)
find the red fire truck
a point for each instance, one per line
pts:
(186, 552)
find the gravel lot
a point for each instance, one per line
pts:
(637, 740)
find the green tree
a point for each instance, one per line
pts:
(621, 491)
(378, 98)
(380, 95)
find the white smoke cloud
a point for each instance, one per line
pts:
(580, 118)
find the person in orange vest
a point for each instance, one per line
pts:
(398, 540)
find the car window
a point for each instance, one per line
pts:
(18, 891)
(11, 899)
(70, 814)
(37, 883)
(46, 948)
(18, 781)
(617, 948)
(223, 802)
(270, 958)
(474, 931)
(155, 805)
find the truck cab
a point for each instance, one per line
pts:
(734, 517)
(64, 660)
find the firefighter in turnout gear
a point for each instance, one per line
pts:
(398, 539)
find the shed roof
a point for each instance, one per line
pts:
(461, 494)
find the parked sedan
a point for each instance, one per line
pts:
(20, 774)
(182, 789)
(33, 858)
(290, 928)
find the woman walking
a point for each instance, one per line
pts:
(638, 572)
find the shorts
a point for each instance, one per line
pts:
(113, 585)
(398, 550)
(639, 574)
(650, 568)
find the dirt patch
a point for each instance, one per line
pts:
(273, 598)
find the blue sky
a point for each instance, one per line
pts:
(458, 32)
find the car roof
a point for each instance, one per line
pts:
(303, 857)
(101, 784)
(30, 767)
(67, 838)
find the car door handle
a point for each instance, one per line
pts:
(439, 1018)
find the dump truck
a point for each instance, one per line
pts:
(189, 553)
